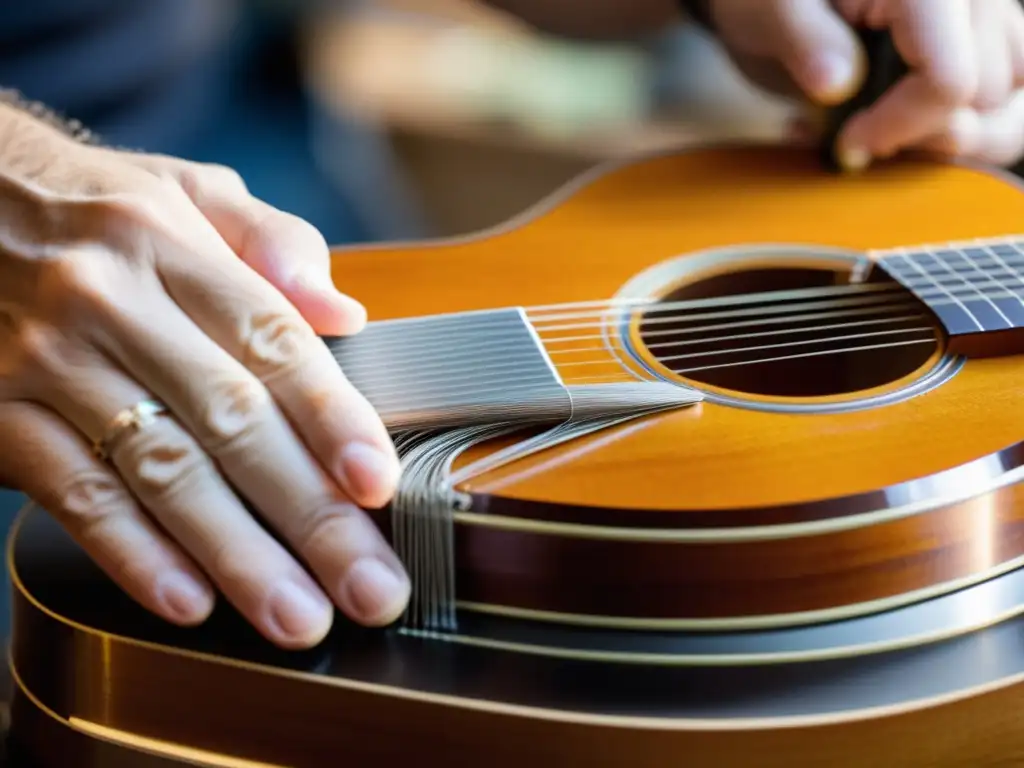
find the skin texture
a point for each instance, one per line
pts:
(125, 277)
(961, 99)
(128, 277)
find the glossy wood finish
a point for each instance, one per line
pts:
(720, 466)
(781, 579)
(981, 731)
(688, 473)
(101, 682)
(595, 240)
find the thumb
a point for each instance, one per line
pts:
(818, 48)
(286, 251)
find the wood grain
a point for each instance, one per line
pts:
(714, 460)
(588, 246)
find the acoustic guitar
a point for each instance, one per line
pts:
(713, 459)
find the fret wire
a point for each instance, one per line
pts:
(971, 286)
(1013, 272)
(923, 286)
(959, 303)
(1012, 242)
(975, 263)
(968, 257)
(987, 265)
(989, 270)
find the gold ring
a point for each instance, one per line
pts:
(133, 419)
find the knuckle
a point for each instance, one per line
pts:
(275, 343)
(39, 348)
(200, 180)
(231, 566)
(88, 498)
(81, 285)
(225, 178)
(163, 462)
(237, 565)
(334, 532)
(235, 410)
(127, 221)
(38, 345)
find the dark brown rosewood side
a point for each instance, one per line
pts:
(386, 699)
(220, 690)
(571, 573)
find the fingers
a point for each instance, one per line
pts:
(995, 137)
(259, 329)
(965, 57)
(936, 39)
(285, 250)
(178, 484)
(48, 459)
(237, 422)
(817, 47)
(996, 67)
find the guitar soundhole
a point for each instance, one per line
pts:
(827, 339)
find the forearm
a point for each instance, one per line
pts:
(600, 19)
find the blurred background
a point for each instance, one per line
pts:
(373, 120)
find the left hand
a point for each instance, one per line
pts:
(964, 95)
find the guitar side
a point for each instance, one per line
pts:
(91, 662)
(102, 684)
(854, 484)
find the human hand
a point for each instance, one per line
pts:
(127, 277)
(962, 97)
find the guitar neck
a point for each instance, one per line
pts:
(975, 289)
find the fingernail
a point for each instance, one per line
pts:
(183, 597)
(364, 469)
(299, 614)
(315, 282)
(375, 593)
(854, 159)
(835, 75)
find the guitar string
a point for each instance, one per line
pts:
(1011, 266)
(905, 300)
(499, 370)
(838, 314)
(423, 357)
(909, 288)
(429, 353)
(424, 370)
(433, 543)
(431, 348)
(495, 377)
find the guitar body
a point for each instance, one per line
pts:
(704, 584)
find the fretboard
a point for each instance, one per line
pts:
(975, 289)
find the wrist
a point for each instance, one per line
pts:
(15, 107)
(39, 147)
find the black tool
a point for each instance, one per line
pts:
(885, 67)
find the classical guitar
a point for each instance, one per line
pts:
(713, 459)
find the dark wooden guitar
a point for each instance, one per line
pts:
(714, 459)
